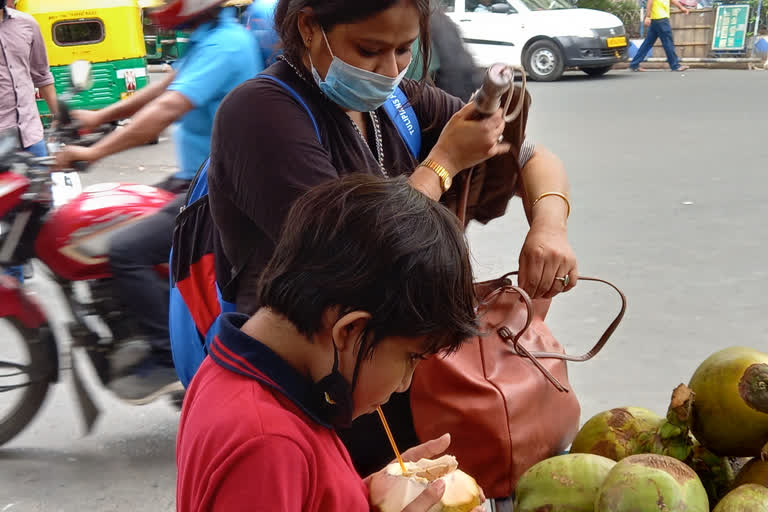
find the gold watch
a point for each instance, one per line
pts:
(442, 173)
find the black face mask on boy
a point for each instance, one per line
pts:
(333, 401)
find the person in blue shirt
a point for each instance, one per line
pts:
(259, 19)
(221, 55)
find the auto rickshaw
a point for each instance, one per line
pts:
(168, 45)
(161, 45)
(108, 33)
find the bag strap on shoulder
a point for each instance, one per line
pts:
(403, 116)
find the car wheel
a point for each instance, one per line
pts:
(598, 71)
(544, 61)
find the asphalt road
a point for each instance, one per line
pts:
(668, 202)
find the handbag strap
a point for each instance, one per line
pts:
(506, 334)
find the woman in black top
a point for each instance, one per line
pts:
(344, 58)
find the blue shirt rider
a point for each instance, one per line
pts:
(221, 55)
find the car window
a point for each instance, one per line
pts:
(448, 5)
(546, 5)
(495, 6)
(87, 31)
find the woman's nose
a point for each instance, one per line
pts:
(389, 67)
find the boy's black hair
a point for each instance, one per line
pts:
(377, 245)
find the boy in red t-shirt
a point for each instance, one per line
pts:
(369, 277)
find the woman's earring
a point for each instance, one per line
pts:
(309, 41)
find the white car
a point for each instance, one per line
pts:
(544, 36)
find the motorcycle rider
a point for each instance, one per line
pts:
(221, 55)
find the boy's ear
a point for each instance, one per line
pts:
(348, 329)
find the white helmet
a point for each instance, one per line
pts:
(177, 12)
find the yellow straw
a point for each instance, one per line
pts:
(391, 440)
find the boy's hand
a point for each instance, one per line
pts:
(427, 450)
(434, 492)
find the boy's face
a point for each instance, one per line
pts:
(389, 371)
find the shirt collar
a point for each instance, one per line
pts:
(237, 352)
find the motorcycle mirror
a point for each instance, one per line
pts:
(80, 75)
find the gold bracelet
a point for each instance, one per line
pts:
(442, 173)
(558, 194)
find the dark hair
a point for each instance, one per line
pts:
(328, 13)
(377, 245)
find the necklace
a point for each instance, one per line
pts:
(379, 156)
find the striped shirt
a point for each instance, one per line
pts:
(23, 66)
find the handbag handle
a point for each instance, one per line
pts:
(506, 333)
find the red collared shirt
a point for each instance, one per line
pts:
(250, 437)
(23, 66)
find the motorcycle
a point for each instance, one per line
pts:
(47, 216)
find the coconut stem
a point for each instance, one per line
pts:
(681, 406)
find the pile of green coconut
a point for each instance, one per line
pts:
(710, 452)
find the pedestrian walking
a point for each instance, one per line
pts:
(657, 22)
(23, 67)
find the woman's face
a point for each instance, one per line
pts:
(381, 43)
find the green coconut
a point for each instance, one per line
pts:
(730, 414)
(566, 483)
(754, 472)
(617, 433)
(651, 483)
(747, 498)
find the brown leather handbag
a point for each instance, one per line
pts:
(504, 396)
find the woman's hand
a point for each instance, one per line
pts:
(466, 141)
(546, 258)
(434, 492)
(70, 154)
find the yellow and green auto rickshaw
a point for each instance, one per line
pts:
(162, 45)
(167, 45)
(108, 33)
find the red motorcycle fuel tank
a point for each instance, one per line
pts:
(12, 186)
(74, 240)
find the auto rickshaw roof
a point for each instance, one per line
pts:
(43, 6)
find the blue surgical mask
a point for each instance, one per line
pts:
(353, 88)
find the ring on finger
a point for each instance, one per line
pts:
(566, 279)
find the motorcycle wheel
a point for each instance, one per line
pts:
(23, 383)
